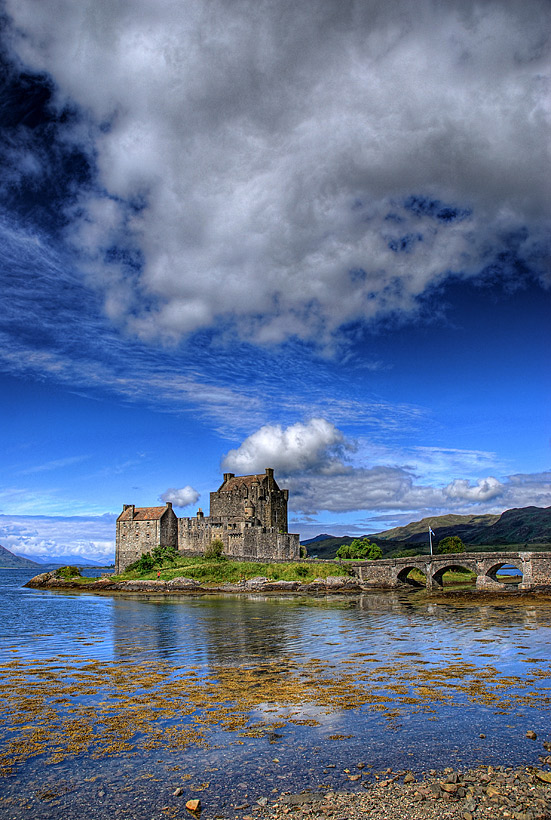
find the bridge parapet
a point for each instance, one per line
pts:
(392, 573)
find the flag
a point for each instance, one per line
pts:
(431, 530)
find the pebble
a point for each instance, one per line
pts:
(193, 806)
(484, 793)
(531, 735)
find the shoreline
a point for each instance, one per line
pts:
(333, 585)
(479, 793)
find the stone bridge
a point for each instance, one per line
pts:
(393, 573)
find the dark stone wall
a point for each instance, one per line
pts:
(256, 499)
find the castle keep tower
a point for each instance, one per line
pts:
(247, 513)
(255, 499)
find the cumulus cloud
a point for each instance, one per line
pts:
(397, 488)
(314, 461)
(180, 498)
(484, 489)
(292, 167)
(299, 447)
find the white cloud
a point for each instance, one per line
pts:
(88, 536)
(314, 461)
(180, 498)
(269, 149)
(295, 448)
(484, 489)
(56, 464)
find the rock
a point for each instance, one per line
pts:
(360, 765)
(262, 801)
(491, 791)
(354, 776)
(547, 745)
(531, 735)
(467, 815)
(545, 777)
(283, 585)
(409, 778)
(449, 788)
(177, 792)
(482, 736)
(257, 582)
(183, 583)
(193, 806)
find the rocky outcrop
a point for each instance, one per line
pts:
(320, 586)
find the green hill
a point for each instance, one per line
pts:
(530, 526)
(526, 525)
(8, 560)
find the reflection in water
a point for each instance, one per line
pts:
(279, 689)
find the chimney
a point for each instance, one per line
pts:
(269, 472)
(169, 504)
(200, 513)
(227, 476)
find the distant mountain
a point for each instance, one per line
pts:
(322, 537)
(326, 547)
(442, 525)
(525, 525)
(63, 560)
(11, 561)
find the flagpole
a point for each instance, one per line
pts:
(430, 539)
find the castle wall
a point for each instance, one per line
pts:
(169, 530)
(256, 499)
(240, 539)
(133, 539)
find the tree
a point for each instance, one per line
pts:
(360, 548)
(215, 549)
(452, 543)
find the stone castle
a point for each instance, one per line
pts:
(248, 514)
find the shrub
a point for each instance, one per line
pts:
(215, 549)
(452, 543)
(164, 555)
(303, 551)
(145, 563)
(68, 572)
(360, 548)
(302, 570)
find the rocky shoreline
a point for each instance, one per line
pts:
(336, 584)
(483, 793)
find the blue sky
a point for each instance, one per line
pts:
(307, 236)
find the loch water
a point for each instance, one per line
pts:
(305, 688)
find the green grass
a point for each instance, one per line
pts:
(449, 578)
(215, 572)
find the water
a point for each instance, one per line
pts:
(113, 702)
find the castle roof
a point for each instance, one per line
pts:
(142, 513)
(239, 480)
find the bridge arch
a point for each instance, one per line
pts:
(451, 566)
(493, 571)
(405, 577)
